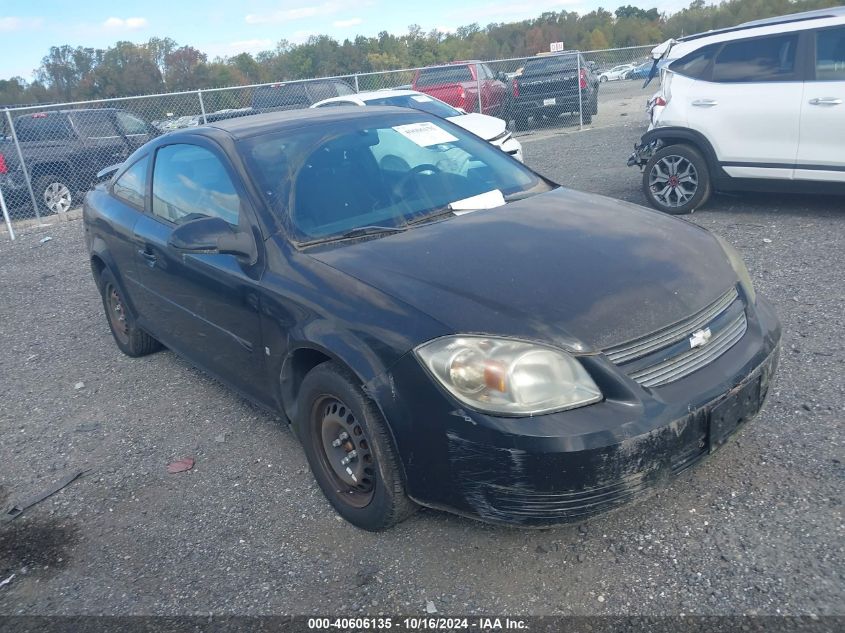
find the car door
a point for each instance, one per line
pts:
(205, 305)
(821, 150)
(749, 106)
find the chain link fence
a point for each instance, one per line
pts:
(51, 154)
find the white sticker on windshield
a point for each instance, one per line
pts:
(425, 134)
(421, 98)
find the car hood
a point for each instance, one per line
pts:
(555, 267)
(482, 125)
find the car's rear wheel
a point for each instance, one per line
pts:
(603, 79)
(131, 340)
(54, 193)
(676, 179)
(350, 450)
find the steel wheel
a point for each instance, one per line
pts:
(673, 181)
(57, 197)
(344, 451)
(117, 314)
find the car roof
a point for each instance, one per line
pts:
(375, 94)
(768, 26)
(817, 14)
(271, 122)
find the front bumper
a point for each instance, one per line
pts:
(565, 466)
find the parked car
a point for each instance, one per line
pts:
(291, 95)
(452, 330)
(491, 129)
(458, 85)
(757, 106)
(64, 150)
(551, 85)
(616, 73)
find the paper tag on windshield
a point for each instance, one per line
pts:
(421, 98)
(425, 134)
(488, 200)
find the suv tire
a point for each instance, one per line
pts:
(676, 179)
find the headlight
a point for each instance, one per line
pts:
(508, 377)
(738, 265)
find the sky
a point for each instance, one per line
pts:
(226, 28)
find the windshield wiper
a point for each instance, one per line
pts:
(438, 212)
(358, 231)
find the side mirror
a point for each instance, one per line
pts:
(212, 236)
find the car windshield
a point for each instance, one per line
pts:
(379, 174)
(418, 102)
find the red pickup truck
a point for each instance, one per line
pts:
(458, 85)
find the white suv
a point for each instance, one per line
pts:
(756, 106)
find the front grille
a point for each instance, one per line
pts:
(645, 345)
(686, 363)
(726, 324)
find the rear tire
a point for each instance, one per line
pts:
(54, 194)
(335, 421)
(676, 179)
(130, 339)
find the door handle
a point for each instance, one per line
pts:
(826, 101)
(150, 258)
(705, 103)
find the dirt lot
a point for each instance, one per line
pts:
(757, 528)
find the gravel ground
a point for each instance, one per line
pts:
(757, 528)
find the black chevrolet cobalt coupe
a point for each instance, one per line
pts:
(441, 325)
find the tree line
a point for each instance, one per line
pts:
(69, 73)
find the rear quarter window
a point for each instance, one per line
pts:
(444, 75)
(695, 65)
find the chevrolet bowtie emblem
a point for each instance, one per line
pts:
(700, 338)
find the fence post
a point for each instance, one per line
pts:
(6, 215)
(202, 107)
(356, 84)
(23, 166)
(580, 95)
(478, 83)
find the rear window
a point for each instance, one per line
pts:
(42, 128)
(551, 63)
(759, 59)
(444, 75)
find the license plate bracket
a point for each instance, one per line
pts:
(548, 102)
(729, 414)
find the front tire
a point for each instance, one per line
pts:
(131, 340)
(676, 179)
(350, 450)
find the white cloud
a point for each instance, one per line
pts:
(329, 7)
(345, 24)
(230, 49)
(125, 24)
(12, 23)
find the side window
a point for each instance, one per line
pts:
(190, 182)
(132, 185)
(830, 55)
(696, 64)
(757, 60)
(95, 125)
(131, 125)
(42, 127)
